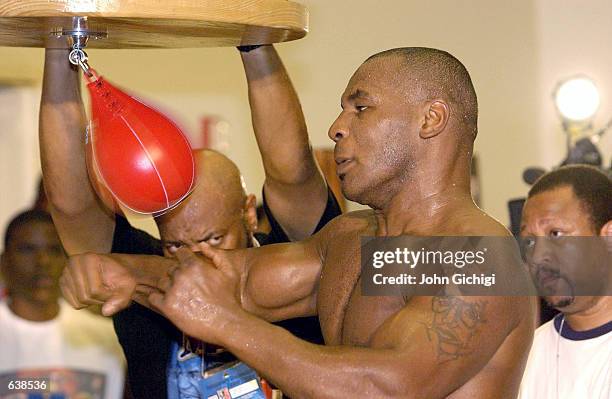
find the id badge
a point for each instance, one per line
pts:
(232, 381)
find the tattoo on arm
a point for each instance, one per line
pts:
(455, 322)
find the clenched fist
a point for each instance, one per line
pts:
(96, 279)
(201, 296)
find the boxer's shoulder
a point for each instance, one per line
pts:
(353, 222)
(476, 222)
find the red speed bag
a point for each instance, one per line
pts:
(95, 178)
(141, 156)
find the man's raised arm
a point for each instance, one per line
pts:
(294, 188)
(83, 223)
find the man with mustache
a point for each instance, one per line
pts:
(567, 237)
(404, 141)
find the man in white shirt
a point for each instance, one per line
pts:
(61, 351)
(567, 239)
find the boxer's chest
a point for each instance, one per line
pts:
(346, 316)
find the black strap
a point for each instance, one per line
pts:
(246, 49)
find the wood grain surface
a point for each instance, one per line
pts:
(154, 23)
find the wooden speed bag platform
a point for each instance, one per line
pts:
(151, 23)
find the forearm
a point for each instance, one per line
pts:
(304, 370)
(292, 176)
(62, 130)
(277, 118)
(83, 222)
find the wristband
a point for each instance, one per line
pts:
(246, 49)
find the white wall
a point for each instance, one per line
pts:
(512, 50)
(19, 162)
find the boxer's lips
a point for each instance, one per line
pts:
(342, 165)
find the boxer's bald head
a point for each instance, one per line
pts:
(219, 180)
(218, 211)
(431, 74)
(409, 115)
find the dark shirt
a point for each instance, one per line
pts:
(146, 336)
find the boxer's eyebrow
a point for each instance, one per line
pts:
(355, 95)
(358, 94)
(204, 237)
(207, 236)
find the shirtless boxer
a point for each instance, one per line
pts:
(403, 146)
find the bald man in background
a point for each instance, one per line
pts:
(218, 212)
(404, 142)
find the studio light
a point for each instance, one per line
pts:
(577, 99)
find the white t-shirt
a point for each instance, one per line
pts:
(584, 367)
(78, 351)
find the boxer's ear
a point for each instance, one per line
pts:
(250, 213)
(436, 115)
